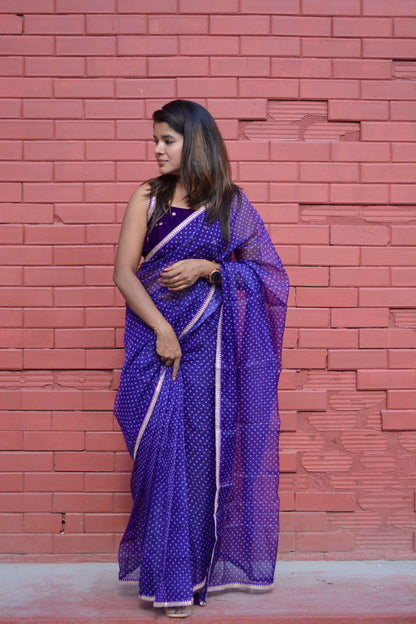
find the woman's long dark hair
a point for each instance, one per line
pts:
(205, 170)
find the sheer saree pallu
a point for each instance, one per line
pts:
(205, 446)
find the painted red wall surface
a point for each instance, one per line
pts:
(316, 101)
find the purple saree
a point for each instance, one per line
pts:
(205, 446)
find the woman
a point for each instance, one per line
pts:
(197, 401)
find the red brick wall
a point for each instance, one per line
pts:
(316, 101)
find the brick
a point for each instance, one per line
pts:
(10, 192)
(403, 234)
(358, 193)
(16, 502)
(240, 66)
(322, 172)
(362, 27)
(206, 87)
(307, 317)
(87, 297)
(330, 297)
(85, 129)
(39, 192)
(337, 541)
(325, 501)
(146, 88)
(393, 297)
(52, 276)
(301, 25)
(361, 68)
(11, 359)
(403, 193)
(308, 276)
(54, 358)
(104, 317)
(54, 24)
(393, 338)
(301, 68)
(47, 482)
(46, 66)
(71, 172)
(398, 420)
(23, 129)
(182, 66)
(86, 46)
(304, 193)
(12, 66)
(270, 46)
(27, 45)
(331, 7)
(12, 234)
(217, 6)
(99, 400)
(25, 171)
(10, 523)
(332, 338)
(388, 48)
(85, 6)
(25, 544)
(38, 109)
(357, 359)
(402, 358)
(83, 462)
(402, 111)
(25, 87)
(360, 151)
(404, 276)
(151, 45)
(360, 317)
(388, 89)
(11, 317)
(11, 441)
(328, 47)
(178, 24)
(239, 24)
(302, 359)
(269, 6)
(12, 150)
(79, 255)
(45, 150)
(11, 25)
(255, 172)
(27, 297)
(121, 66)
(329, 255)
(383, 379)
(106, 523)
(315, 400)
(116, 24)
(42, 523)
(54, 318)
(25, 461)
(404, 27)
(392, 172)
(384, 7)
(401, 399)
(118, 482)
(13, 276)
(81, 502)
(359, 276)
(329, 88)
(51, 399)
(359, 235)
(105, 441)
(84, 544)
(388, 256)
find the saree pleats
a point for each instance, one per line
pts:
(205, 446)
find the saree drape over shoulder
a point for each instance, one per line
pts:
(205, 446)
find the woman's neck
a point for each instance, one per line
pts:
(179, 197)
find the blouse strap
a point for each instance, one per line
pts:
(150, 210)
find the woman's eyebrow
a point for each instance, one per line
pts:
(164, 136)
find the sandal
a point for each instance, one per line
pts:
(178, 612)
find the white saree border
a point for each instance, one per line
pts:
(150, 410)
(172, 233)
(217, 434)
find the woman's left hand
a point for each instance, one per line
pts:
(184, 273)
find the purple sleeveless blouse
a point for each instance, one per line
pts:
(166, 224)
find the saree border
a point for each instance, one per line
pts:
(217, 436)
(176, 230)
(149, 411)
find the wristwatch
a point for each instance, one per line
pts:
(215, 276)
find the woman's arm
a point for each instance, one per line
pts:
(130, 246)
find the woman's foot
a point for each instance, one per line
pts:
(178, 612)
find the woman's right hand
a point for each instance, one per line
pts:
(168, 347)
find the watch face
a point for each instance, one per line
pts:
(215, 277)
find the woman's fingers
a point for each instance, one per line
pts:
(175, 369)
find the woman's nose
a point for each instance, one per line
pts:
(159, 148)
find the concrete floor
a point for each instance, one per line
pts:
(321, 592)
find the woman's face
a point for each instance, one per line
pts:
(168, 148)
